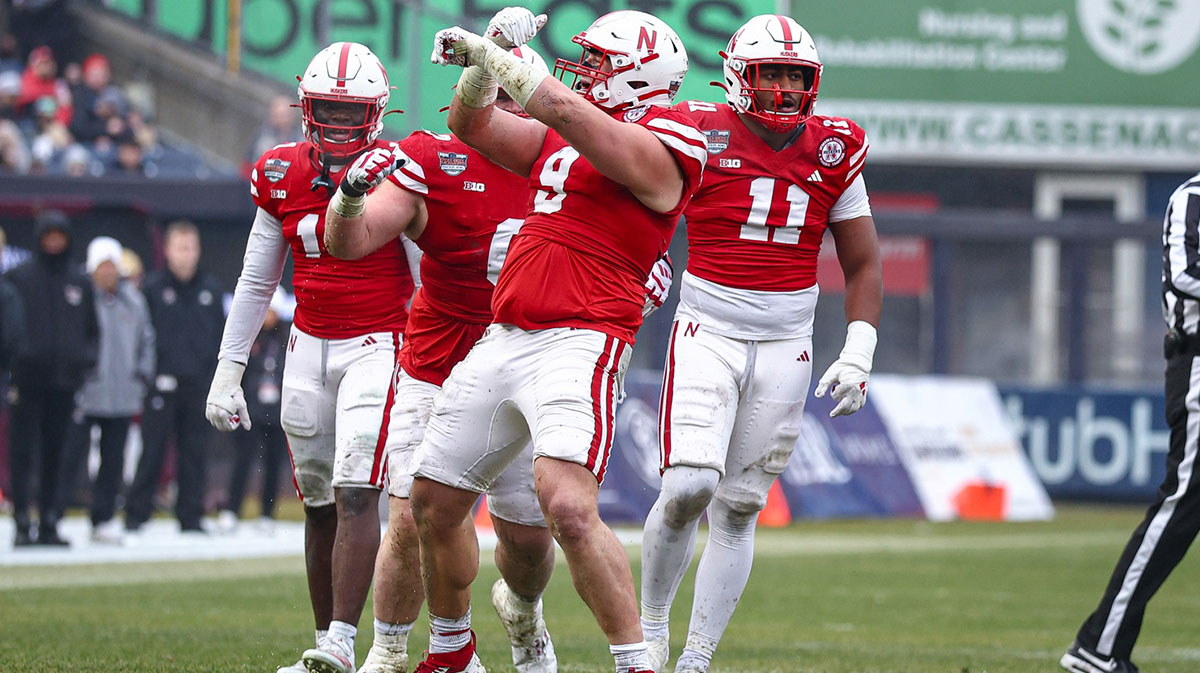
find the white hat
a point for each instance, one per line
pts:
(103, 249)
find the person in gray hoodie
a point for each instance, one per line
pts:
(112, 393)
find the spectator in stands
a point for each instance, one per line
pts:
(95, 99)
(185, 308)
(282, 126)
(41, 79)
(130, 158)
(10, 90)
(52, 137)
(112, 393)
(14, 155)
(60, 311)
(10, 55)
(77, 162)
(263, 382)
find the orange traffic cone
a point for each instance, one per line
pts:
(981, 501)
(483, 519)
(776, 514)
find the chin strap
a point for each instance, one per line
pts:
(324, 179)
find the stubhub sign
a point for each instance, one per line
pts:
(1092, 444)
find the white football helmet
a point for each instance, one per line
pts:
(770, 39)
(647, 61)
(343, 72)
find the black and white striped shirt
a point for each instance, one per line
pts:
(1181, 259)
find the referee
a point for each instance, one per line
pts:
(1106, 639)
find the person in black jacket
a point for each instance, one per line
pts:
(263, 382)
(59, 349)
(186, 310)
(12, 322)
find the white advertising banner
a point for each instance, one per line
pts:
(958, 446)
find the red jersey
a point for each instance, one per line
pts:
(335, 298)
(757, 221)
(582, 258)
(474, 209)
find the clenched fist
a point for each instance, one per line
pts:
(369, 170)
(513, 27)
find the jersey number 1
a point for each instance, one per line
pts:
(306, 229)
(762, 194)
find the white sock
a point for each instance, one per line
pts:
(449, 635)
(668, 545)
(392, 636)
(697, 654)
(723, 572)
(630, 657)
(321, 633)
(342, 635)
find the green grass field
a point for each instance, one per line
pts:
(837, 597)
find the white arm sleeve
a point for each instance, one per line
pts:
(262, 267)
(414, 255)
(852, 203)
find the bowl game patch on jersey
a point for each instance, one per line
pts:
(718, 141)
(275, 168)
(452, 163)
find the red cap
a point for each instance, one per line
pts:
(42, 53)
(95, 60)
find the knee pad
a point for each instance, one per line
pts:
(312, 458)
(686, 492)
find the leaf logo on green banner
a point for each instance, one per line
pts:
(1144, 37)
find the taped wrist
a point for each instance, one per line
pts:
(519, 79)
(348, 201)
(859, 349)
(476, 87)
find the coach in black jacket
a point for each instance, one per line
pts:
(186, 309)
(60, 347)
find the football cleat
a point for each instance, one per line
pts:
(1080, 659)
(333, 655)
(464, 660)
(532, 649)
(297, 667)
(385, 660)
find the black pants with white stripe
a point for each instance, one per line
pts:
(1170, 525)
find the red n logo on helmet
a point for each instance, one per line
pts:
(647, 38)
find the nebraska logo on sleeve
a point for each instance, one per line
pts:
(275, 169)
(452, 164)
(718, 141)
(831, 152)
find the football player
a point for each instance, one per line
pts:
(611, 168)
(461, 210)
(739, 360)
(338, 383)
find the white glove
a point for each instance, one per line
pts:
(459, 46)
(514, 26)
(848, 374)
(658, 284)
(226, 404)
(370, 169)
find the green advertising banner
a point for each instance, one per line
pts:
(1104, 83)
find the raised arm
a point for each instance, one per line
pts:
(508, 140)
(358, 223)
(627, 153)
